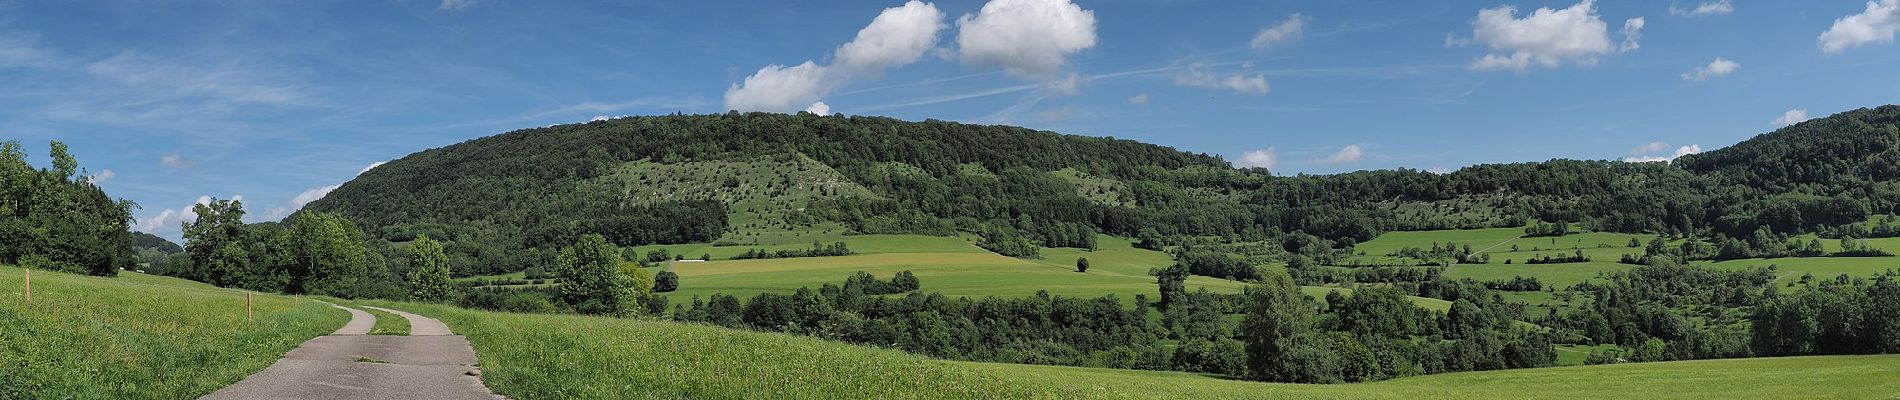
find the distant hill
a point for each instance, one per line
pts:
(142, 240)
(1849, 148)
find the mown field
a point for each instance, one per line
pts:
(140, 336)
(557, 356)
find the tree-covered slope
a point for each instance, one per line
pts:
(767, 178)
(571, 177)
(1852, 147)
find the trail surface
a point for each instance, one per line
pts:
(431, 363)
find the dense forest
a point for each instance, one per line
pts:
(56, 219)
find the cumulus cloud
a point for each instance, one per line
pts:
(898, 36)
(102, 177)
(1649, 152)
(1262, 158)
(1350, 154)
(1791, 117)
(1286, 30)
(780, 88)
(371, 166)
(819, 108)
(176, 161)
(1548, 38)
(1718, 68)
(1026, 38)
(1720, 7)
(1874, 25)
(1139, 99)
(1197, 75)
(168, 220)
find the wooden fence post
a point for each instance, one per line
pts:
(29, 284)
(247, 306)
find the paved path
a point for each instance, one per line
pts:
(433, 364)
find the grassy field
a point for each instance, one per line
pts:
(860, 244)
(553, 356)
(1791, 269)
(141, 336)
(974, 274)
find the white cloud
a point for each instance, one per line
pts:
(897, 37)
(1791, 117)
(168, 220)
(1197, 75)
(176, 161)
(371, 166)
(1548, 38)
(1027, 38)
(1441, 170)
(1718, 68)
(779, 88)
(102, 177)
(312, 194)
(1350, 154)
(598, 118)
(1262, 158)
(454, 5)
(1646, 153)
(1139, 99)
(1632, 30)
(819, 108)
(1874, 25)
(1286, 30)
(1719, 7)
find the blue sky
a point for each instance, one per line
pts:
(277, 101)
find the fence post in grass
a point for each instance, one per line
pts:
(29, 284)
(247, 306)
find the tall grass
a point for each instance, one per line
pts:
(565, 356)
(141, 337)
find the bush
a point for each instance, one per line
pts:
(666, 281)
(1081, 265)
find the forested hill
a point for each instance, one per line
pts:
(1850, 148)
(757, 178)
(675, 178)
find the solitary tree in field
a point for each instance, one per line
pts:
(666, 281)
(1278, 315)
(1081, 265)
(430, 279)
(591, 281)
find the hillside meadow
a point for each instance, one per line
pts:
(141, 336)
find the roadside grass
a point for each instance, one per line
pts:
(564, 356)
(387, 324)
(141, 336)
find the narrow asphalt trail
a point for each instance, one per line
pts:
(432, 363)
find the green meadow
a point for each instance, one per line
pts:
(141, 336)
(561, 356)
